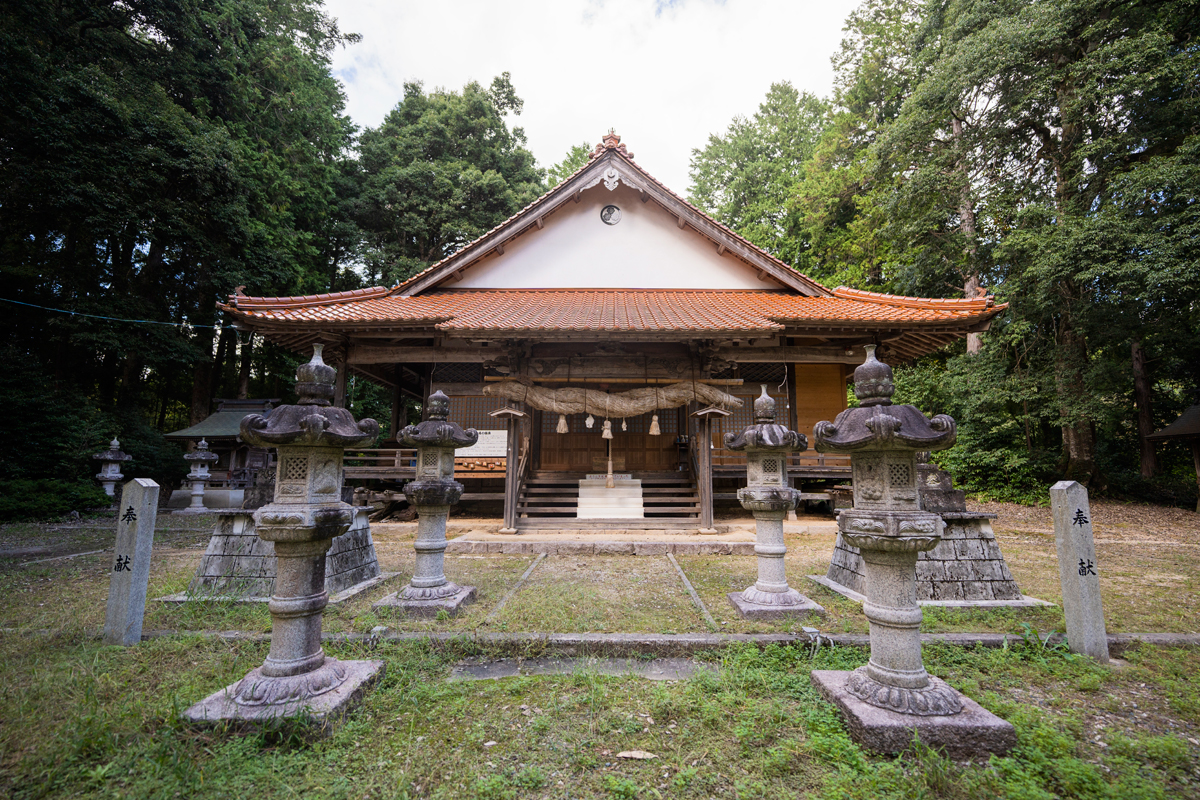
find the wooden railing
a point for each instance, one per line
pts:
(821, 462)
(401, 464)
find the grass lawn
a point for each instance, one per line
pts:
(81, 719)
(84, 720)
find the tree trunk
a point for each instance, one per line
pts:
(1142, 397)
(243, 390)
(966, 217)
(1079, 433)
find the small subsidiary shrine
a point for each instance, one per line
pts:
(624, 331)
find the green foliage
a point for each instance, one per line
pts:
(48, 499)
(572, 162)
(442, 169)
(745, 178)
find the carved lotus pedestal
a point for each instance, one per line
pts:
(892, 698)
(297, 678)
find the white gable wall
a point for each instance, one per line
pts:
(576, 250)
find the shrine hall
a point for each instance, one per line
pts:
(603, 340)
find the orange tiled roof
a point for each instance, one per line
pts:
(630, 310)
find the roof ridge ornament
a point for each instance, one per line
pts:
(611, 141)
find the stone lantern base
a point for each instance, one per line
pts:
(788, 604)
(325, 708)
(415, 606)
(967, 734)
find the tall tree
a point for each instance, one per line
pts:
(572, 162)
(156, 155)
(442, 169)
(746, 178)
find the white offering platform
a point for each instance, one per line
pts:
(597, 501)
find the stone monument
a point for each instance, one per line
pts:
(1078, 573)
(893, 696)
(432, 494)
(110, 467)
(131, 563)
(964, 569)
(769, 497)
(198, 476)
(307, 513)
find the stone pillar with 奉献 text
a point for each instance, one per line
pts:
(892, 698)
(130, 573)
(768, 496)
(305, 516)
(433, 493)
(1082, 606)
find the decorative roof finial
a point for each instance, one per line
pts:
(611, 141)
(314, 381)
(873, 384)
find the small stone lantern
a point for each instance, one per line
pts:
(110, 467)
(893, 695)
(769, 497)
(198, 476)
(302, 520)
(433, 493)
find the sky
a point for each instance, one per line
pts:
(664, 73)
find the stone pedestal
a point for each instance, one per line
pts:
(238, 566)
(302, 521)
(964, 569)
(892, 697)
(769, 497)
(622, 501)
(432, 494)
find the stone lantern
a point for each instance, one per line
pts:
(432, 494)
(110, 466)
(302, 520)
(893, 695)
(198, 476)
(769, 497)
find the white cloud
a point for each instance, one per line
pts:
(664, 73)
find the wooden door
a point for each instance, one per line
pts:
(634, 449)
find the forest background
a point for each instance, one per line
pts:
(157, 154)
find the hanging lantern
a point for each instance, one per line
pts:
(590, 421)
(654, 429)
(562, 424)
(607, 430)
(624, 427)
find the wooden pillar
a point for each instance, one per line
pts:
(339, 387)
(704, 479)
(511, 479)
(397, 403)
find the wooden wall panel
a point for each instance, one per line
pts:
(635, 447)
(820, 395)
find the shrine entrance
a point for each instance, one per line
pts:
(582, 449)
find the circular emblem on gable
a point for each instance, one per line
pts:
(610, 215)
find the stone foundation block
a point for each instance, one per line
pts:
(428, 608)
(327, 709)
(613, 549)
(972, 733)
(650, 548)
(748, 610)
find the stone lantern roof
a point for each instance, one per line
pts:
(202, 455)
(113, 453)
(313, 420)
(766, 434)
(437, 431)
(877, 424)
